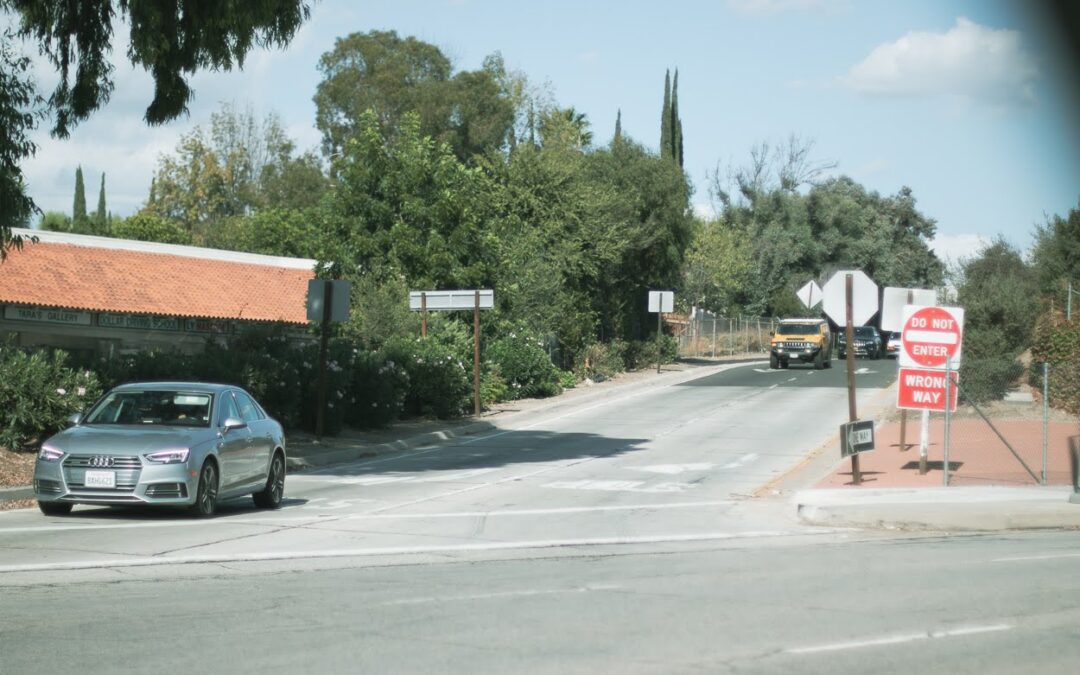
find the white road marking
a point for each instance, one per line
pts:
(1047, 556)
(441, 477)
(276, 521)
(602, 485)
(742, 461)
(401, 550)
(672, 469)
(900, 639)
(792, 379)
(499, 596)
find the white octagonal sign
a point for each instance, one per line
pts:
(864, 297)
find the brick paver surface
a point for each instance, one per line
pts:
(977, 456)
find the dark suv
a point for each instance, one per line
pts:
(867, 342)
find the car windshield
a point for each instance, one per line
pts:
(158, 407)
(797, 328)
(864, 331)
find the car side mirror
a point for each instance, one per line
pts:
(772, 333)
(233, 423)
(74, 420)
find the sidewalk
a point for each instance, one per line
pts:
(989, 488)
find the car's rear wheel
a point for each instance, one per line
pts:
(270, 496)
(54, 508)
(206, 495)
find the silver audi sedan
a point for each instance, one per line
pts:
(168, 443)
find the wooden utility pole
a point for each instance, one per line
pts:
(849, 332)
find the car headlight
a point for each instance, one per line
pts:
(50, 454)
(167, 456)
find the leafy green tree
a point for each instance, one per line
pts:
(405, 205)
(1056, 254)
(172, 41)
(55, 221)
(20, 109)
(617, 138)
(718, 266)
(150, 227)
(472, 111)
(78, 211)
(996, 289)
(294, 233)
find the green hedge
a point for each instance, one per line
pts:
(38, 392)
(1057, 342)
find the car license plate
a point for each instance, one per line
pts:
(100, 479)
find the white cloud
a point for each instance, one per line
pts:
(969, 61)
(773, 6)
(955, 248)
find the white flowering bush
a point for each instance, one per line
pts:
(439, 382)
(38, 392)
(524, 365)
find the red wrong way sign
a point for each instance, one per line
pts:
(922, 389)
(931, 336)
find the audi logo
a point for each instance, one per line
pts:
(101, 461)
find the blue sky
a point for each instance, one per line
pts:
(965, 102)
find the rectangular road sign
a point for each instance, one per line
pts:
(662, 301)
(857, 436)
(339, 303)
(893, 301)
(921, 389)
(451, 300)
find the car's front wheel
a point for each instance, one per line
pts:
(54, 508)
(270, 496)
(206, 495)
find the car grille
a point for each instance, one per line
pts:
(127, 470)
(167, 490)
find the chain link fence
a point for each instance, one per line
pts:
(704, 335)
(1017, 418)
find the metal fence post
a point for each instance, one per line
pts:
(1046, 416)
(713, 352)
(948, 416)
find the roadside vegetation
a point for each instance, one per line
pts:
(431, 177)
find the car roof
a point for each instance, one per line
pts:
(802, 320)
(208, 387)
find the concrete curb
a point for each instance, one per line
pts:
(977, 509)
(11, 494)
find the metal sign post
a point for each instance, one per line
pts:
(948, 387)
(476, 300)
(327, 302)
(660, 302)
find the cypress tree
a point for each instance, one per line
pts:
(676, 123)
(100, 218)
(78, 210)
(665, 118)
(618, 128)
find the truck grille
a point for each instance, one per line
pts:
(797, 345)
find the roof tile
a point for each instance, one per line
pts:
(137, 282)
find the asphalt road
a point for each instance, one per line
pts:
(612, 535)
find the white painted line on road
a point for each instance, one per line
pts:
(499, 596)
(742, 461)
(900, 639)
(795, 378)
(672, 469)
(400, 550)
(1047, 556)
(273, 521)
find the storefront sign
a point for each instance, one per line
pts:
(138, 322)
(47, 315)
(208, 326)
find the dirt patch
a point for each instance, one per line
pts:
(16, 468)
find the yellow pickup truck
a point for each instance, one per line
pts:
(806, 340)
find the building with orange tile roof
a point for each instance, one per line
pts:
(99, 294)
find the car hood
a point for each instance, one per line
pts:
(126, 440)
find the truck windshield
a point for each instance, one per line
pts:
(797, 329)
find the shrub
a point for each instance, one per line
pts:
(378, 388)
(1057, 342)
(983, 380)
(643, 353)
(492, 385)
(439, 384)
(567, 379)
(599, 362)
(38, 392)
(526, 367)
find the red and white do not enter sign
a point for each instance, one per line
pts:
(931, 336)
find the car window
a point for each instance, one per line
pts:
(228, 409)
(249, 412)
(153, 407)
